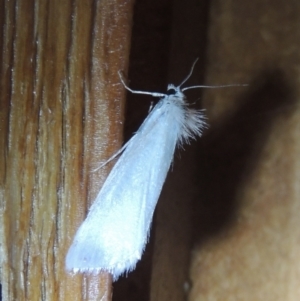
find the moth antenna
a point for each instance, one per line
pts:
(214, 87)
(191, 72)
(202, 86)
(154, 94)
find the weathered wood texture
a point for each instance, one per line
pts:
(61, 114)
(227, 224)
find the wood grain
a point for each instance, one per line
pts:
(61, 115)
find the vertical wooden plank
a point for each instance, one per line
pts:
(248, 221)
(61, 115)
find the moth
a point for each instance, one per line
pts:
(114, 234)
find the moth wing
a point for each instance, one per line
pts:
(114, 234)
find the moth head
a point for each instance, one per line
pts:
(175, 91)
(171, 90)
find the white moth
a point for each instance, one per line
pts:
(113, 236)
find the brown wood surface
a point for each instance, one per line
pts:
(61, 115)
(248, 226)
(227, 223)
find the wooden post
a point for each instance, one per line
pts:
(61, 115)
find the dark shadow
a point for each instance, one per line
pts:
(149, 70)
(229, 151)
